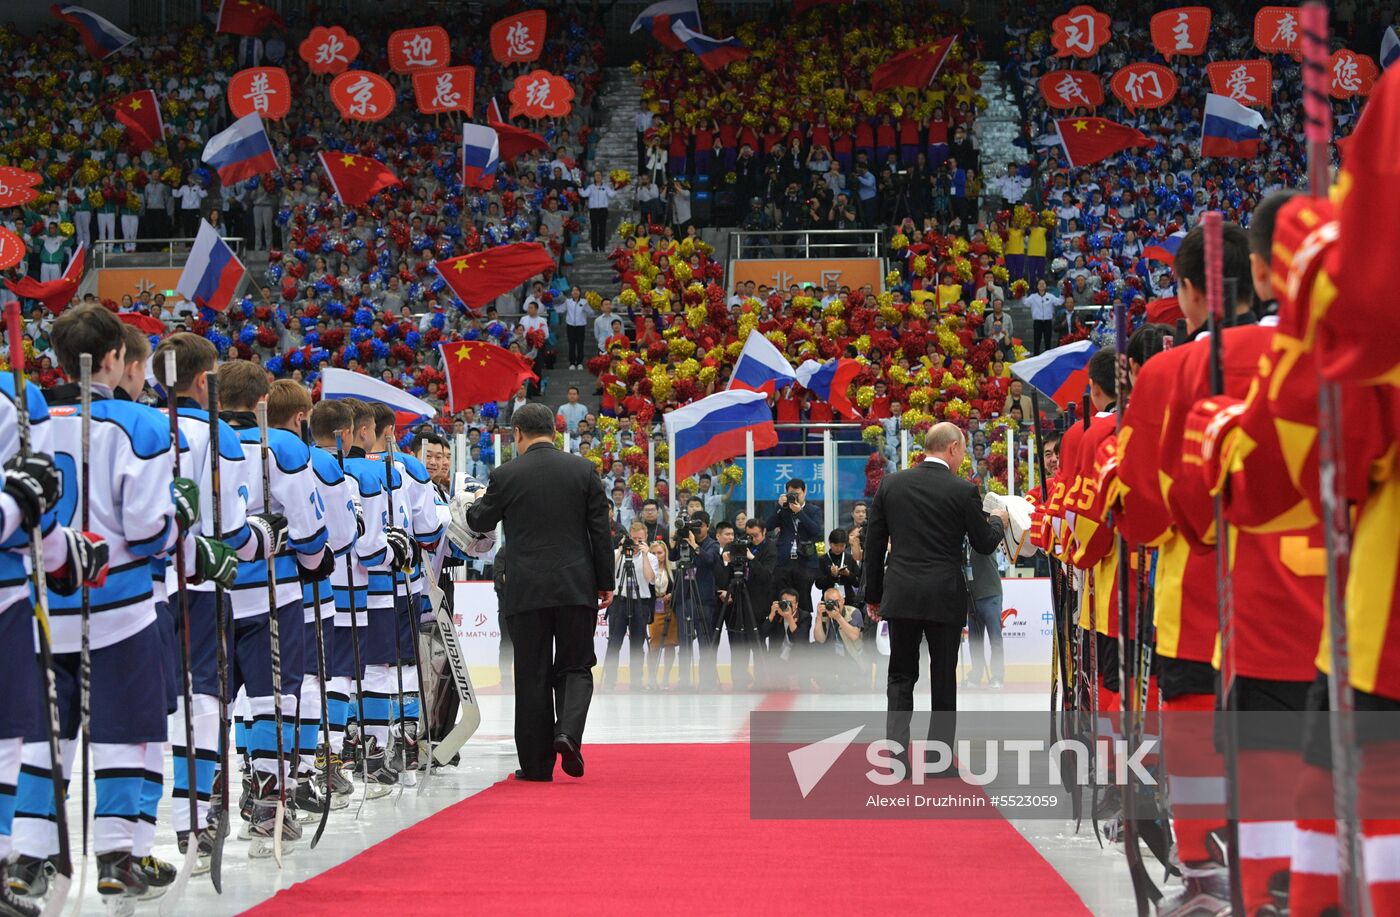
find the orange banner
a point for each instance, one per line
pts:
(115, 282)
(783, 273)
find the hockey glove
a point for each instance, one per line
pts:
(359, 517)
(185, 494)
(459, 532)
(402, 546)
(271, 531)
(33, 483)
(319, 572)
(86, 564)
(214, 562)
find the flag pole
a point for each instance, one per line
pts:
(748, 474)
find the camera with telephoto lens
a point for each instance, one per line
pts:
(685, 524)
(785, 604)
(626, 544)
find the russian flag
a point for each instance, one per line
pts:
(212, 272)
(1230, 130)
(1390, 47)
(1165, 250)
(241, 152)
(713, 429)
(481, 153)
(658, 18)
(761, 367)
(715, 53)
(343, 383)
(100, 37)
(1061, 374)
(830, 381)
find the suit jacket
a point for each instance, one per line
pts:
(925, 513)
(805, 525)
(556, 525)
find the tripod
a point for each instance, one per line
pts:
(743, 627)
(688, 627)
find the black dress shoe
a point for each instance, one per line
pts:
(569, 755)
(521, 775)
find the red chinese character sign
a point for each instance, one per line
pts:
(1249, 82)
(1181, 32)
(541, 94)
(1353, 74)
(265, 90)
(1066, 89)
(362, 96)
(1277, 30)
(329, 50)
(519, 38)
(11, 249)
(425, 48)
(18, 187)
(450, 89)
(1080, 33)
(1143, 85)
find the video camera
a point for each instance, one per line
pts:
(625, 544)
(685, 524)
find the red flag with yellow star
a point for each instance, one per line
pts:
(356, 179)
(245, 17)
(1089, 140)
(479, 371)
(55, 294)
(140, 112)
(480, 277)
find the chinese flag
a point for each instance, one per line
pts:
(916, 67)
(245, 17)
(1088, 140)
(480, 277)
(57, 293)
(357, 178)
(479, 371)
(140, 112)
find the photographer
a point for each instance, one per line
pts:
(856, 533)
(839, 569)
(695, 596)
(799, 528)
(785, 625)
(748, 576)
(839, 625)
(632, 608)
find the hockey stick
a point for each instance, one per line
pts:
(1212, 223)
(1336, 520)
(63, 879)
(182, 878)
(470, 714)
(85, 647)
(1144, 891)
(1054, 579)
(274, 632)
(355, 649)
(389, 473)
(218, 814)
(321, 681)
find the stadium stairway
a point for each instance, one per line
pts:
(616, 149)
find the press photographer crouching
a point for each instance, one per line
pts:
(745, 593)
(839, 627)
(695, 595)
(633, 604)
(787, 625)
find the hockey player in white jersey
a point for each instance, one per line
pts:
(330, 424)
(289, 409)
(242, 385)
(136, 507)
(415, 507)
(397, 551)
(251, 537)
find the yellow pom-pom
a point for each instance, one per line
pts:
(865, 396)
(732, 475)
(66, 228)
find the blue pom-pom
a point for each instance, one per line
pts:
(247, 335)
(437, 285)
(335, 309)
(379, 349)
(274, 365)
(413, 339)
(364, 317)
(297, 360)
(322, 287)
(359, 334)
(438, 321)
(311, 338)
(489, 409)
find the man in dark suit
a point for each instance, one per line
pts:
(925, 513)
(797, 527)
(561, 572)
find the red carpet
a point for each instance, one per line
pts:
(666, 829)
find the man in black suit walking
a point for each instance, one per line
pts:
(561, 573)
(925, 513)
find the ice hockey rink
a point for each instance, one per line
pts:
(1097, 876)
